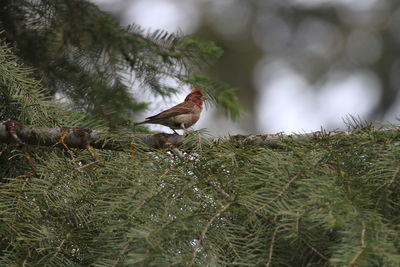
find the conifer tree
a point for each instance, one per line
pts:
(329, 200)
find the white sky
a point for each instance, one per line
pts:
(287, 103)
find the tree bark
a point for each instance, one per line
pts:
(14, 132)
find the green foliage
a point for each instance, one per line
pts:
(87, 57)
(22, 97)
(333, 201)
(330, 202)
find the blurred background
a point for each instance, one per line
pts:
(299, 65)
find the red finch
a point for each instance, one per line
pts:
(181, 116)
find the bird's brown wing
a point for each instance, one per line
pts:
(182, 108)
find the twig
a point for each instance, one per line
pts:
(187, 187)
(394, 176)
(61, 141)
(174, 150)
(120, 254)
(146, 199)
(271, 247)
(217, 185)
(13, 127)
(231, 246)
(17, 205)
(316, 251)
(280, 193)
(361, 250)
(67, 236)
(87, 165)
(388, 255)
(206, 229)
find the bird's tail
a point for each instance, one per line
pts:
(139, 123)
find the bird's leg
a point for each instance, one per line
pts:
(184, 128)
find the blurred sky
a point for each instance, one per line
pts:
(286, 100)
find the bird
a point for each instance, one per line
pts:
(180, 116)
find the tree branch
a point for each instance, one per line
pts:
(80, 137)
(84, 137)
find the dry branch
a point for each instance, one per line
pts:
(79, 137)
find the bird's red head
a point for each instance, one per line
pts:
(195, 96)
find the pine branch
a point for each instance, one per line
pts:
(206, 229)
(271, 247)
(83, 137)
